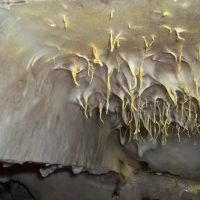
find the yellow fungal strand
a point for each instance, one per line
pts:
(197, 91)
(115, 41)
(131, 117)
(132, 106)
(132, 98)
(189, 110)
(108, 90)
(108, 83)
(124, 115)
(96, 56)
(134, 82)
(180, 58)
(159, 129)
(132, 70)
(186, 90)
(167, 28)
(134, 78)
(196, 117)
(145, 42)
(153, 38)
(112, 13)
(135, 134)
(178, 133)
(171, 95)
(50, 22)
(129, 26)
(141, 73)
(87, 60)
(111, 41)
(164, 129)
(165, 126)
(172, 54)
(74, 74)
(122, 138)
(101, 105)
(178, 31)
(89, 65)
(166, 14)
(86, 105)
(65, 22)
(182, 111)
(80, 102)
(154, 117)
(148, 44)
(91, 72)
(54, 59)
(196, 87)
(164, 140)
(148, 127)
(123, 105)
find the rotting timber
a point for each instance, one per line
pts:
(101, 85)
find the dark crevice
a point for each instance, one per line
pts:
(144, 166)
(13, 189)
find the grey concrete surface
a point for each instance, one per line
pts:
(64, 185)
(102, 88)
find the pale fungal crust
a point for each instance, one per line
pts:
(147, 60)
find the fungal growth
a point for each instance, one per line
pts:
(101, 85)
(150, 82)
